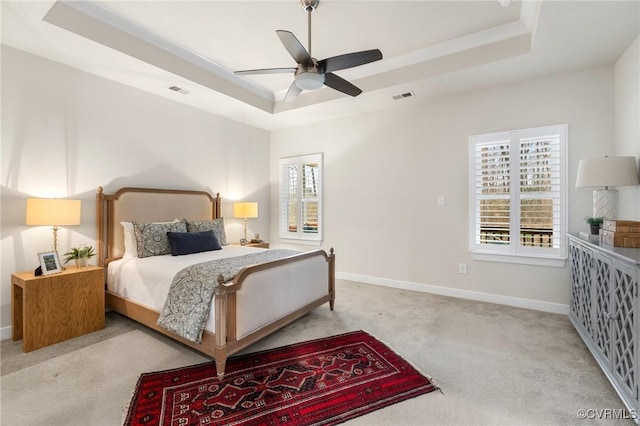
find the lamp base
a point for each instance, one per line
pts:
(244, 241)
(605, 203)
(55, 238)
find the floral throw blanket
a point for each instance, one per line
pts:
(187, 306)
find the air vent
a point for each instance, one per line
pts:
(179, 90)
(404, 95)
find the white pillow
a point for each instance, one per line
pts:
(130, 243)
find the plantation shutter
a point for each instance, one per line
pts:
(301, 197)
(518, 192)
(492, 185)
(310, 185)
(540, 194)
(289, 196)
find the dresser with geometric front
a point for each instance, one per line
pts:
(604, 309)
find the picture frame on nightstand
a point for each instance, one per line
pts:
(49, 262)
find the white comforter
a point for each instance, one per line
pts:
(147, 280)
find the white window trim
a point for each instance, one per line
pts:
(555, 261)
(514, 253)
(302, 242)
(300, 237)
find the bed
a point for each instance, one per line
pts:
(259, 300)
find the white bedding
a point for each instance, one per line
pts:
(147, 280)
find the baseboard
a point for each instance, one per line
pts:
(538, 305)
(5, 333)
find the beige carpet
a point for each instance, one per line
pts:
(496, 365)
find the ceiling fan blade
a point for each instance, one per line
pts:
(292, 93)
(265, 71)
(340, 84)
(294, 47)
(349, 60)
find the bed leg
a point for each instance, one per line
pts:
(220, 300)
(332, 278)
(220, 365)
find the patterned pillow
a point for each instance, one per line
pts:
(215, 225)
(151, 238)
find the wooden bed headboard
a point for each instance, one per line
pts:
(145, 205)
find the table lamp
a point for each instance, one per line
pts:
(53, 212)
(604, 172)
(245, 210)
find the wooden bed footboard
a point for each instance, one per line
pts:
(231, 300)
(235, 301)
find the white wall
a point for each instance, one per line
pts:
(627, 123)
(66, 132)
(384, 171)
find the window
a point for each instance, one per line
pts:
(301, 199)
(518, 190)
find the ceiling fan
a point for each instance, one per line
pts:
(311, 74)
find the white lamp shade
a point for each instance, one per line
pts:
(53, 212)
(607, 171)
(246, 210)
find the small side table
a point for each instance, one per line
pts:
(52, 308)
(263, 244)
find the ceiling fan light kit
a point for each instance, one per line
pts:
(309, 80)
(311, 74)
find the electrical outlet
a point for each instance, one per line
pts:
(462, 268)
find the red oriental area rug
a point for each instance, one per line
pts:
(319, 382)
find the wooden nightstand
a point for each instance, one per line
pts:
(263, 244)
(52, 308)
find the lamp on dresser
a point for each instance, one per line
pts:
(603, 173)
(53, 212)
(245, 210)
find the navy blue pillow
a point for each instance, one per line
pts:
(192, 242)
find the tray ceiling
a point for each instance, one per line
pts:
(432, 48)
